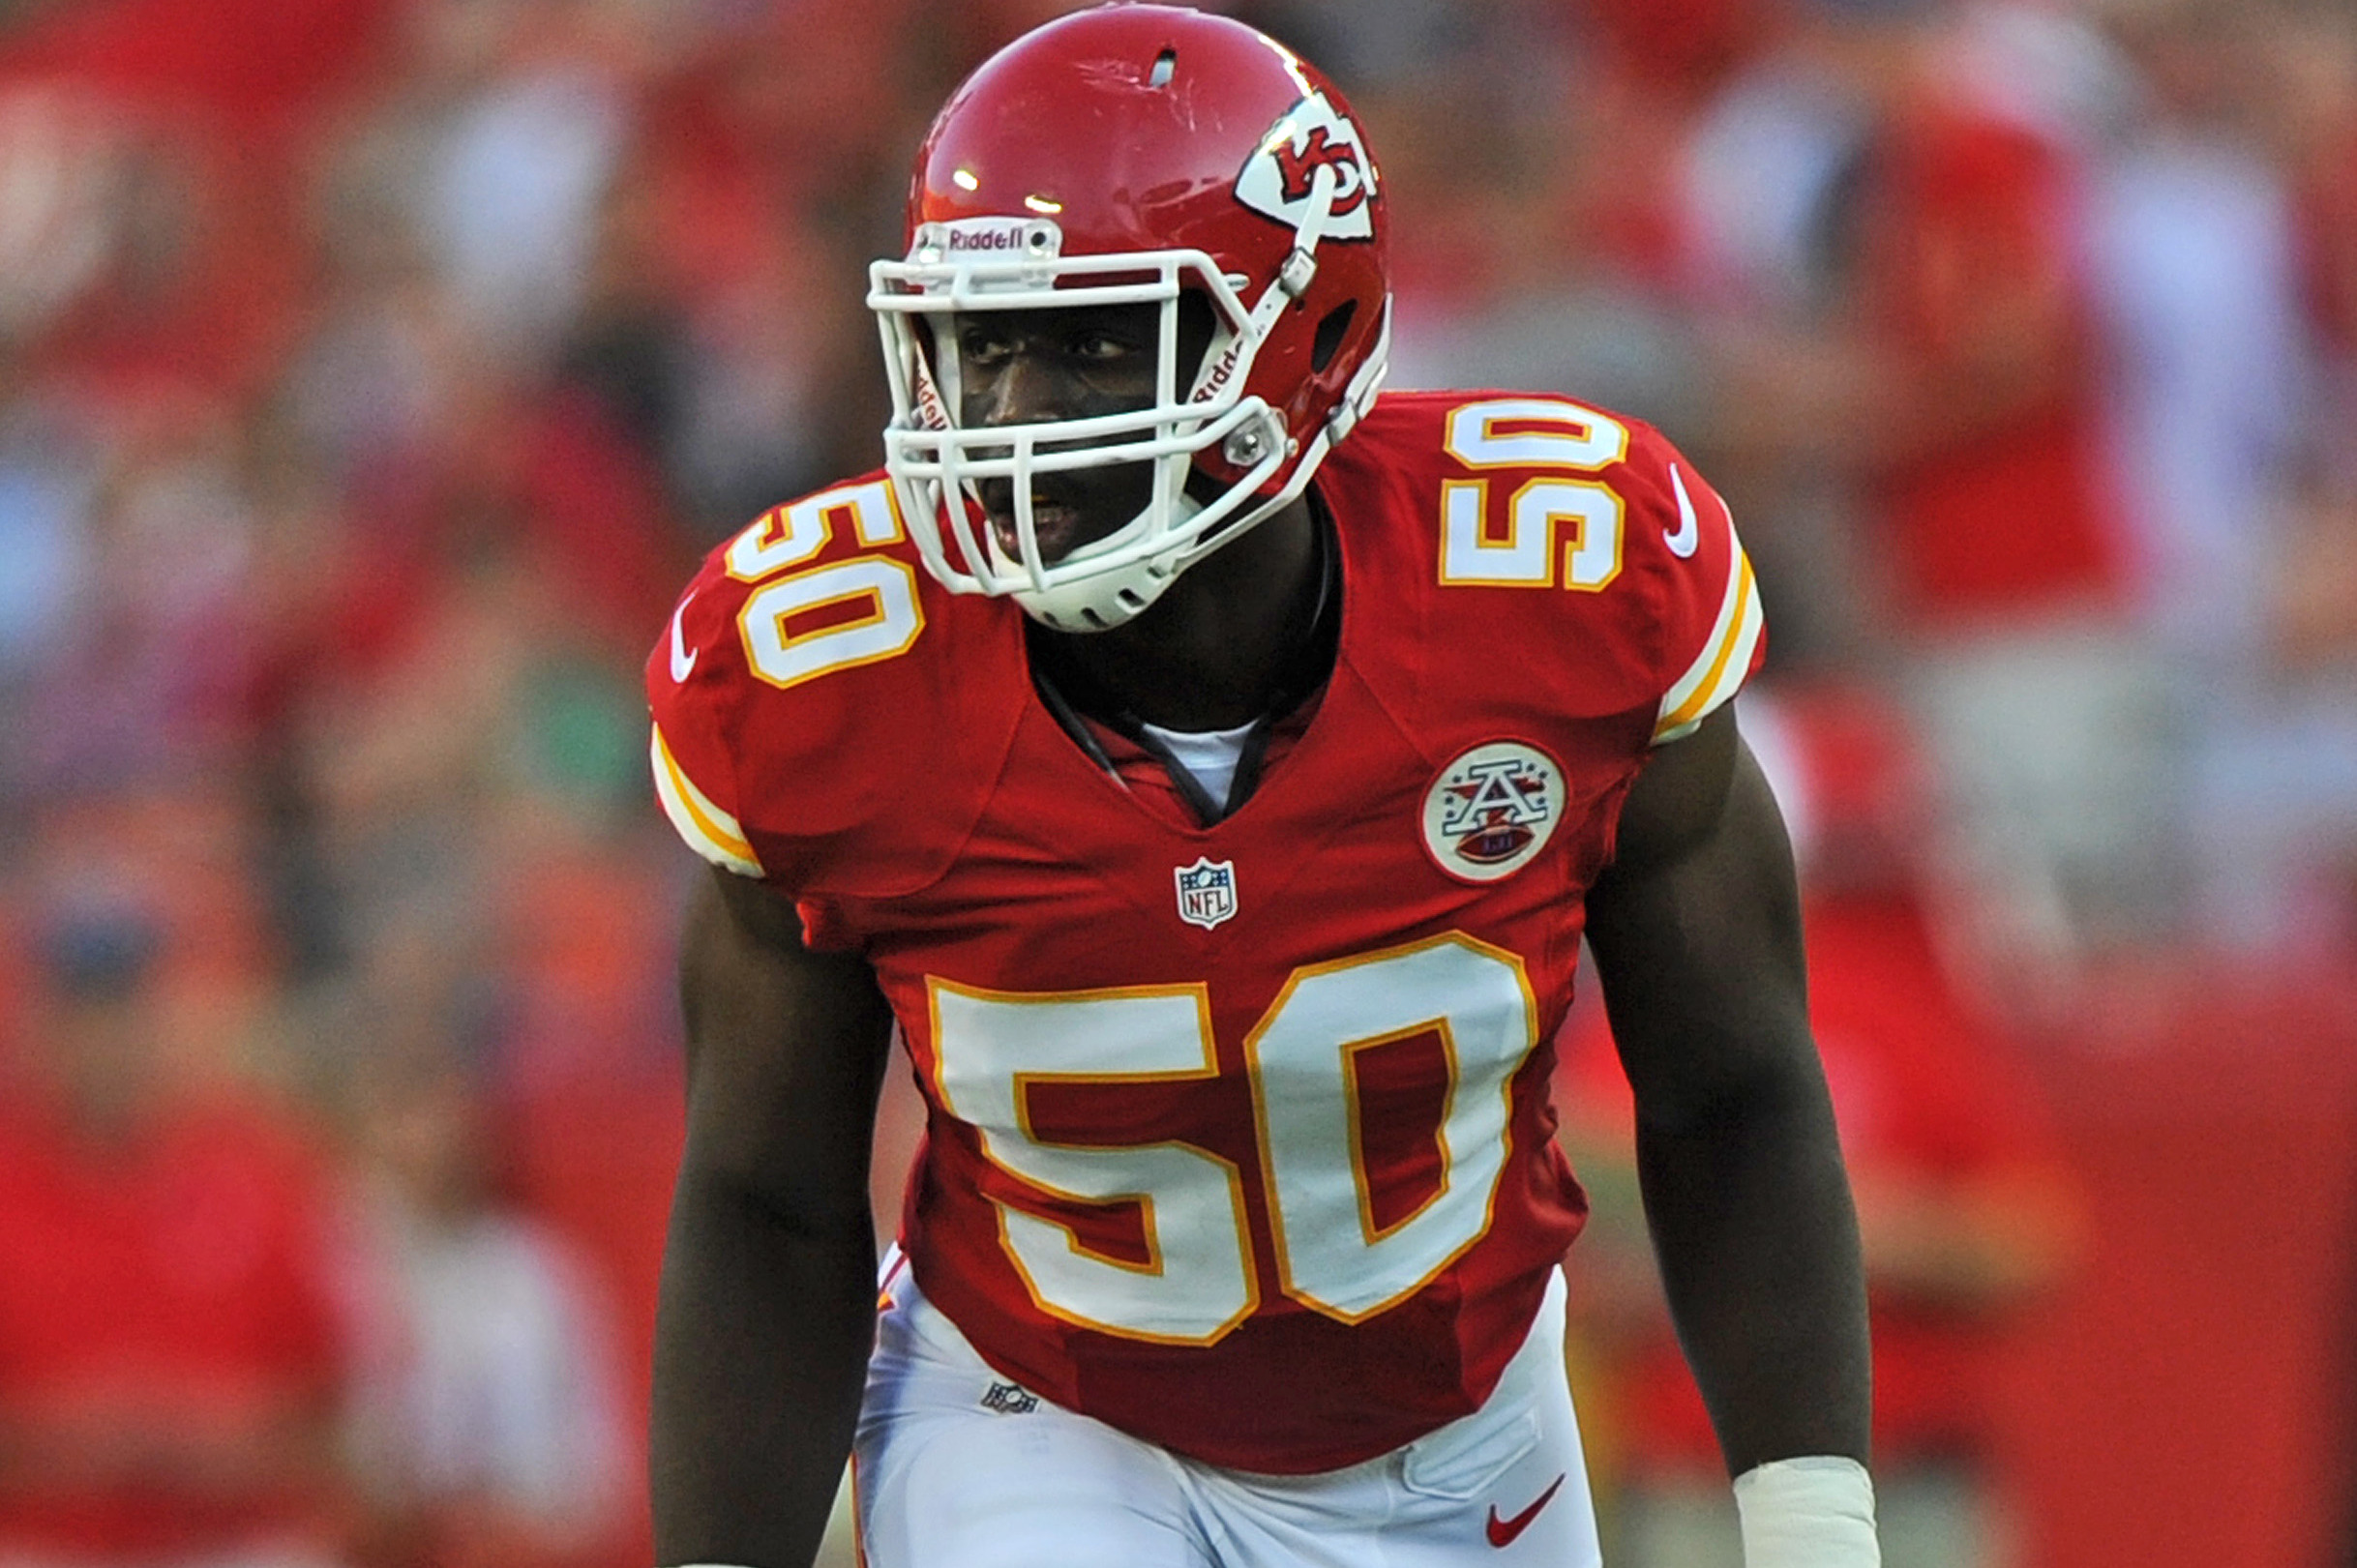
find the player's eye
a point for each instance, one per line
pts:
(984, 347)
(1101, 345)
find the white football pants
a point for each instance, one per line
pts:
(957, 1468)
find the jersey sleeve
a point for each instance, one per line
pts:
(1709, 633)
(692, 699)
(827, 719)
(1580, 543)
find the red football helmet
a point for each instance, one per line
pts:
(1127, 154)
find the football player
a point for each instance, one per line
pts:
(1209, 767)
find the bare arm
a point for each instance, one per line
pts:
(1697, 939)
(768, 1292)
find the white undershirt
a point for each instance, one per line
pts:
(1209, 755)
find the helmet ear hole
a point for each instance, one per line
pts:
(1331, 331)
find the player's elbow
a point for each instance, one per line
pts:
(722, 1192)
(1760, 1086)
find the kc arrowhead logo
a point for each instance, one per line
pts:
(1277, 179)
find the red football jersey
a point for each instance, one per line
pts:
(1238, 1136)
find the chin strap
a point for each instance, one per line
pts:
(1300, 267)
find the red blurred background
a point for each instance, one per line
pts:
(373, 372)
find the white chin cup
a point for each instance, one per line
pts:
(1108, 580)
(1094, 603)
(1102, 600)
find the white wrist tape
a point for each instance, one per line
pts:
(1816, 1512)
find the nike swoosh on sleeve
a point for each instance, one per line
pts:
(1689, 529)
(683, 658)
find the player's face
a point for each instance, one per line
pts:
(1037, 367)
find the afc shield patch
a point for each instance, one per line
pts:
(1492, 810)
(1206, 890)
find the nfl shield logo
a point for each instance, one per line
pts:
(1206, 890)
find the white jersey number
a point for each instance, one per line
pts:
(1198, 1281)
(844, 614)
(1584, 513)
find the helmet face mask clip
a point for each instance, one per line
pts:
(1276, 227)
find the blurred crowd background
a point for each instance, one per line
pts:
(373, 372)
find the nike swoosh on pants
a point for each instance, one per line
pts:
(1503, 1531)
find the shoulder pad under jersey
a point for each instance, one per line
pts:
(825, 716)
(1583, 538)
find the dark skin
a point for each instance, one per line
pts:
(1200, 656)
(768, 1294)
